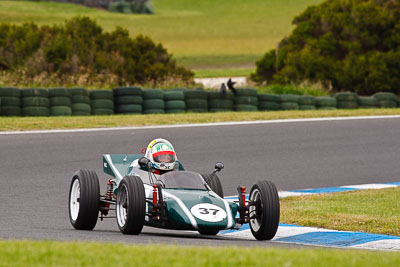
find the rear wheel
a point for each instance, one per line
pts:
(131, 205)
(215, 184)
(84, 198)
(265, 211)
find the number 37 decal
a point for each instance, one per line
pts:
(208, 212)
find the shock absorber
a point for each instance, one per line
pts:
(110, 187)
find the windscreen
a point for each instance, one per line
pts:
(182, 179)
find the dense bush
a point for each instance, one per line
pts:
(80, 47)
(342, 44)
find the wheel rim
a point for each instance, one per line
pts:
(255, 197)
(122, 205)
(74, 200)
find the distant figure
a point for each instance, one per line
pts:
(223, 89)
(230, 86)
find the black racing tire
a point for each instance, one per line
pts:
(347, 104)
(326, 101)
(385, 96)
(214, 183)
(39, 92)
(128, 91)
(10, 92)
(79, 91)
(306, 107)
(195, 94)
(174, 95)
(101, 94)
(246, 100)
(59, 92)
(129, 109)
(346, 96)
(289, 99)
(245, 108)
(84, 199)
(246, 92)
(197, 104)
(153, 94)
(60, 101)
(387, 104)
(102, 103)
(11, 111)
(153, 111)
(35, 111)
(220, 103)
(175, 104)
(7, 101)
(269, 106)
(81, 107)
(35, 102)
(175, 111)
(289, 106)
(129, 99)
(267, 210)
(131, 205)
(307, 100)
(153, 104)
(269, 98)
(220, 95)
(60, 111)
(75, 99)
(102, 111)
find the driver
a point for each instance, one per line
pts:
(162, 155)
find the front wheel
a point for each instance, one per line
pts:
(264, 210)
(131, 205)
(84, 198)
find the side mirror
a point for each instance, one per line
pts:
(219, 166)
(143, 162)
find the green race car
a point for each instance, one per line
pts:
(178, 199)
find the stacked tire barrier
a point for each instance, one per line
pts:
(386, 100)
(128, 100)
(153, 101)
(307, 102)
(60, 102)
(196, 100)
(102, 102)
(218, 101)
(10, 101)
(80, 98)
(289, 102)
(367, 102)
(246, 99)
(325, 102)
(269, 102)
(347, 100)
(35, 102)
(174, 101)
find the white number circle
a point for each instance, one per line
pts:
(208, 212)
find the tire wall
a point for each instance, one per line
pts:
(134, 100)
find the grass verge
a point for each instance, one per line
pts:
(372, 211)
(47, 253)
(44, 123)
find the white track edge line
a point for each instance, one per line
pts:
(200, 124)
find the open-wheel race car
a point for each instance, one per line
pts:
(177, 199)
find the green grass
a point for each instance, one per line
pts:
(200, 34)
(42, 123)
(372, 211)
(48, 253)
(227, 72)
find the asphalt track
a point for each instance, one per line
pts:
(36, 169)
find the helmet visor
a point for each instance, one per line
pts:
(164, 157)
